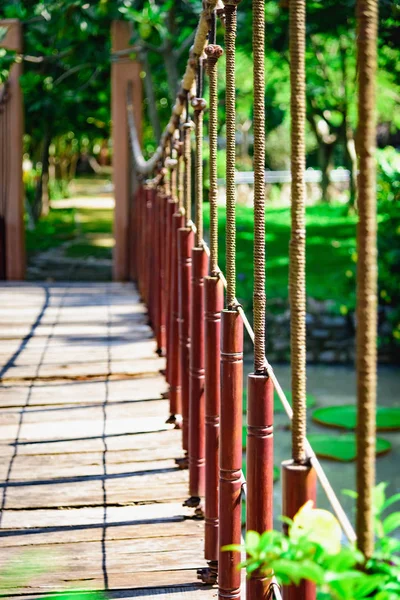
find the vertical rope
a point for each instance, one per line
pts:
(179, 169)
(230, 97)
(213, 53)
(187, 161)
(199, 104)
(259, 185)
(367, 14)
(297, 287)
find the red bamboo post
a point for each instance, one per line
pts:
(185, 245)
(145, 263)
(170, 210)
(196, 382)
(260, 465)
(161, 339)
(299, 484)
(146, 260)
(139, 238)
(175, 388)
(153, 259)
(213, 305)
(230, 452)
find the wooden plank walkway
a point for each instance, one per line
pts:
(90, 495)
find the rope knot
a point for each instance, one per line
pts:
(199, 104)
(213, 51)
(171, 163)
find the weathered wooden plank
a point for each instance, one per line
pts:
(86, 461)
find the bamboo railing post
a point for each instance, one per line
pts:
(196, 384)
(185, 246)
(260, 465)
(230, 482)
(213, 306)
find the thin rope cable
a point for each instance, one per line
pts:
(187, 161)
(367, 15)
(180, 171)
(147, 167)
(297, 288)
(259, 184)
(213, 53)
(230, 108)
(199, 105)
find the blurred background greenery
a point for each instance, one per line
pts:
(66, 84)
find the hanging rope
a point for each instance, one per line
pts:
(230, 107)
(199, 105)
(367, 13)
(187, 180)
(259, 185)
(179, 169)
(147, 167)
(213, 53)
(297, 287)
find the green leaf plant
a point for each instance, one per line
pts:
(313, 550)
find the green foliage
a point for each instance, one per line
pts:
(312, 551)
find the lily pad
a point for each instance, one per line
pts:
(278, 408)
(345, 417)
(342, 448)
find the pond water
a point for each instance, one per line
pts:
(335, 385)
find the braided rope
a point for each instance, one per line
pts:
(213, 53)
(259, 185)
(297, 287)
(199, 105)
(230, 106)
(367, 13)
(180, 175)
(187, 179)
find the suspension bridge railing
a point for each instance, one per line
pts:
(180, 281)
(12, 233)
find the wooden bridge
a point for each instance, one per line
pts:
(91, 497)
(107, 473)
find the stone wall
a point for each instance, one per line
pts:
(330, 336)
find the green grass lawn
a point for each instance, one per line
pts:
(330, 251)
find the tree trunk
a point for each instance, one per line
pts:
(43, 179)
(325, 152)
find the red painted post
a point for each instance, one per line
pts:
(154, 273)
(299, 484)
(170, 210)
(161, 329)
(196, 382)
(230, 452)
(213, 305)
(146, 259)
(175, 389)
(185, 245)
(260, 465)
